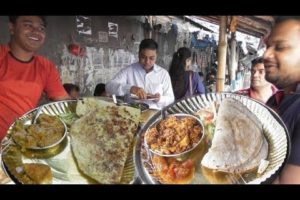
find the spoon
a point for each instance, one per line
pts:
(114, 99)
(163, 113)
(37, 114)
(163, 116)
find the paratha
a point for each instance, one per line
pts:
(238, 144)
(101, 140)
(88, 103)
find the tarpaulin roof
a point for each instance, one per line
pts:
(258, 26)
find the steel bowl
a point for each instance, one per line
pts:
(181, 154)
(46, 151)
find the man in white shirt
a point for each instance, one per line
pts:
(144, 79)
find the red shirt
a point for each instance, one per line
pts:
(250, 93)
(21, 85)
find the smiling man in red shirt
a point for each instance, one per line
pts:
(24, 76)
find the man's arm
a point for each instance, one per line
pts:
(289, 175)
(118, 85)
(54, 88)
(199, 86)
(66, 97)
(168, 96)
(291, 171)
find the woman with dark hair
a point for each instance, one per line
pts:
(184, 81)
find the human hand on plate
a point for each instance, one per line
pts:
(150, 97)
(138, 93)
(155, 97)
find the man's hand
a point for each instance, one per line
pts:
(157, 97)
(140, 92)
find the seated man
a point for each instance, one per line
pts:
(144, 79)
(260, 89)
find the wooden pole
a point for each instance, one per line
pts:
(222, 48)
(233, 57)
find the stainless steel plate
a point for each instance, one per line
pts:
(274, 129)
(63, 165)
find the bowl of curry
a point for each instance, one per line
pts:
(174, 136)
(47, 133)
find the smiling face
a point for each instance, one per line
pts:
(258, 76)
(28, 33)
(282, 57)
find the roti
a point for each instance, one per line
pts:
(238, 144)
(101, 140)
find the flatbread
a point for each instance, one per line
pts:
(238, 143)
(101, 140)
(88, 104)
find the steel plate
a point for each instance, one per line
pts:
(274, 130)
(61, 160)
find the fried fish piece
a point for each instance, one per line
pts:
(39, 173)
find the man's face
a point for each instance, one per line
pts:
(28, 32)
(258, 76)
(147, 58)
(282, 57)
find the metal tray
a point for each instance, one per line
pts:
(61, 160)
(274, 129)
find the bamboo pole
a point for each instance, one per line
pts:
(233, 57)
(222, 47)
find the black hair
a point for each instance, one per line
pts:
(257, 60)
(100, 88)
(13, 19)
(69, 87)
(148, 44)
(279, 19)
(177, 70)
(200, 73)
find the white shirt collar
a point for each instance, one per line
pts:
(155, 67)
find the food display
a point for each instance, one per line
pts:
(174, 135)
(244, 143)
(26, 173)
(235, 148)
(39, 173)
(46, 132)
(101, 140)
(99, 137)
(173, 171)
(205, 139)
